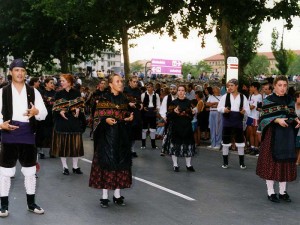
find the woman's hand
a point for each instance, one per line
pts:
(298, 123)
(176, 110)
(130, 118)
(281, 122)
(62, 113)
(76, 112)
(110, 121)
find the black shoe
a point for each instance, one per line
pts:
(77, 171)
(162, 154)
(285, 197)
(35, 209)
(273, 198)
(190, 168)
(176, 168)
(134, 155)
(42, 155)
(253, 152)
(119, 201)
(66, 171)
(104, 203)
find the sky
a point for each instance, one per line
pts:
(189, 50)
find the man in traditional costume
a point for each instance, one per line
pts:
(151, 104)
(20, 106)
(233, 105)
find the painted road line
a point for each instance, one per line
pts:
(155, 185)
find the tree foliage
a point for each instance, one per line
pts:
(258, 65)
(237, 23)
(294, 67)
(195, 69)
(280, 54)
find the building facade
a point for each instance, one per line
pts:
(217, 61)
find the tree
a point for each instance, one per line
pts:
(27, 30)
(258, 65)
(294, 67)
(196, 69)
(119, 20)
(236, 23)
(280, 54)
(136, 66)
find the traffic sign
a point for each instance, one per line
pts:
(232, 68)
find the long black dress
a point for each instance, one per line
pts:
(179, 140)
(134, 95)
(45, 127)
(67, 134)
(111, 167)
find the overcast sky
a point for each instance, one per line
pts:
(189, 50)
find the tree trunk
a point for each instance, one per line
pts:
(64, 62)
(125, 49)
(223, 35)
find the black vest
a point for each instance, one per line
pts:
(228, 104)
(146, 100)
(7, 106)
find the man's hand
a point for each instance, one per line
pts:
(32, 111)
(226, 110)
(6, 126)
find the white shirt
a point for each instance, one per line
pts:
(20, 105)
(253, 100)
(163, 108)
(235, 104)
(212, 99)
(150, 99)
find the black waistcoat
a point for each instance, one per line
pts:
(7, 103)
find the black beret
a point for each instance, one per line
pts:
(17, 63)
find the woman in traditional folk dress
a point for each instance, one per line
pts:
(69, 124)
(276, 161)
(297, 109)
(111, 167)
(179, 141)
(45, 127)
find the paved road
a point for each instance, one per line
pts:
(224, 197)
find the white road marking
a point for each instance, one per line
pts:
(155, 185)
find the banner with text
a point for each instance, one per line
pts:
(166, 66)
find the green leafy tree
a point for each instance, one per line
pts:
(29, 31)
(258, 65)
(294, 67)
(136, 67)
(120, 20)
(195, 69)
(237, 23)
(281, 55)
